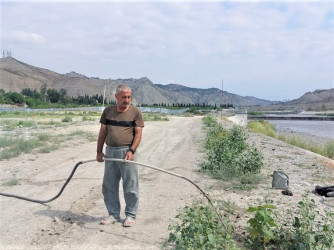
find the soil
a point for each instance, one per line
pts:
(73, 220)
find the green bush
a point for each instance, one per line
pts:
(199, 227)
(66, 119)
(306, 229)
(262, 225)
(301, 228)
(228, 153)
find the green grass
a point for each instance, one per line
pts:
(9, 125)
(84, 134)
(253, 112)
(67, 119)
(262, 127)
(12, 182)
(154, 117)
(14, 146)
(51, 123)
(88, 118)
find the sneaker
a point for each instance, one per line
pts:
(109, 220)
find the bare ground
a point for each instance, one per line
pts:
(72, 221)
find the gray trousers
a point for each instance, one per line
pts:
(113, 172)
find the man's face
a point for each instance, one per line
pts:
(123, 99)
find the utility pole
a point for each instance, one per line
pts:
(221, 113)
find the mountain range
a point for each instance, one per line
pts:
(16, 75)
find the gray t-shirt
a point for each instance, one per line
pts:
(121, 125)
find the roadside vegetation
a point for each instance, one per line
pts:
(266, 128)
(229, 156)
(294, 228)
(199, 226)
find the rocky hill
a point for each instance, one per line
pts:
(16, 75)
(318, 100)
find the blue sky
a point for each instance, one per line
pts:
(275, 50)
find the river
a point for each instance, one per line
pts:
(323, 129)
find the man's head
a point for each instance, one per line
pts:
(123, 97)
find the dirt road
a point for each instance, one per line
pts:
(72, 221)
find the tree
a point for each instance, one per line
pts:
(43, 91)
(54, 95)
(15, 97)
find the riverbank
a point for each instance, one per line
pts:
(318, 132)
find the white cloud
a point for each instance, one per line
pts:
(27, 37)
(259, 43)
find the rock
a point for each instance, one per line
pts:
(56, 219)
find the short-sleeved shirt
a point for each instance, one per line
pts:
(121, 125)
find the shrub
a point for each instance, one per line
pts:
(200, 228)
(301, 228)
(262, 225)
(306, 229)
(228, 153)
(67, 119)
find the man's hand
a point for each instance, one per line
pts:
(129, 156)
(99, 157)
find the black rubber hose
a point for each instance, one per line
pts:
(52, 199)
(117, 160)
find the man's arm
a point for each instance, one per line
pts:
(135, 143)
(100, 142)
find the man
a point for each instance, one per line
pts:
(121, 130)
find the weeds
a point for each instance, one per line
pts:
(67, 119)
(262, 127)
(262, 225)
(329, 149)
(12, 182)
(88, 118)
(301, 228)
(154, 117)
(13, 147)
(199, 227)
(228, 153)
(83, 134)
(228, 206)
(16, 142)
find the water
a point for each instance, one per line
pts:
(323, 129)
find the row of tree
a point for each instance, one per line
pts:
(190, 105)
(43, 98)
